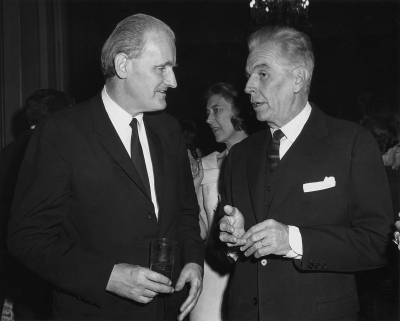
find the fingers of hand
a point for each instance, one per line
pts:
(228, 210)
(255, 247)
(259, 227)
(180, 283)
(158, 283)
(241, 241)
(266, 241)
(192, 273)
(157, 277)
(143, 299)
(228, 238)
(194, 294)
(159, 288)
(225, 226)
(255, 234)
(141, 294)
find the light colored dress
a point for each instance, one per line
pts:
(209, 305)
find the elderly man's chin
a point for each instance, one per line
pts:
(263, 115)
(159, 104)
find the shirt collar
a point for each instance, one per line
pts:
(293, 128)
(119, 116)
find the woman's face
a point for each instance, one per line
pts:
(219, 113)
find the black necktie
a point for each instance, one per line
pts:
(273, 149)
(138, 157)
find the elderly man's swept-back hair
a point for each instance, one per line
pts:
(295, 46)
(129, 37)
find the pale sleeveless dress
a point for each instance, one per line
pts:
(209, 305)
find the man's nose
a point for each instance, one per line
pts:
(250, 86)
(170, 80)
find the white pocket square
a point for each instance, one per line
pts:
(328, 182)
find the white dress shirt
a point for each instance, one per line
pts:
(121, 120)
(292, 130)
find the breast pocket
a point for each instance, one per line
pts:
(321, 195)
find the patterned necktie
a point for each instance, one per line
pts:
(138, 157)
(273, 149)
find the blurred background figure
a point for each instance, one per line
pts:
(29, 294)
(386, 130)
(192, 141)
(379, 289)
(229, 115)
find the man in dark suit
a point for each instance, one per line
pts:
(103, 179)
(307, 200)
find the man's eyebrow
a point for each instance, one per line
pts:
(169, 64)
(261, 66)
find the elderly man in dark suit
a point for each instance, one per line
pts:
(102, 180)
(307, 200)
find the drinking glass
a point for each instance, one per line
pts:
(162, 256)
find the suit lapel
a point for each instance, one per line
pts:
(301, 156)
(157, 158)
(109, 139)
(257, 171)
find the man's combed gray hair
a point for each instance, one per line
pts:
(129, 37)
(295, 46)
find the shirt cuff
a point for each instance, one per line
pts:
(296, 243)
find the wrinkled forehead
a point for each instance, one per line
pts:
(265, 54)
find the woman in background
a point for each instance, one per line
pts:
(227, 116)
(378, 289)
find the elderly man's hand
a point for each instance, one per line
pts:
(232, 227)
(192, 273)
(137, 283)
(268, 237)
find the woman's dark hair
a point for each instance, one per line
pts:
(384, 128)
(190, 135)
(44, 102)
(240, 103)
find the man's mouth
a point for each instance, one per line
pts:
(162, 91)
(215, 129)
(257, 104)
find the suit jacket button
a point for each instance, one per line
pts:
(269, 188)
(317, 265)
(268, 203)
(323, 265)
(254, 301)
(264, 262)
(311, 265)
(151, 214)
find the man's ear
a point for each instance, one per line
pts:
(301, 75)
(120, 63)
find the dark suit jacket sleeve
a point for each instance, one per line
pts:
(40, 206)
(363, 244)
(189, 228)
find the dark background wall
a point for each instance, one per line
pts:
(57, 44)
(356, 46)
